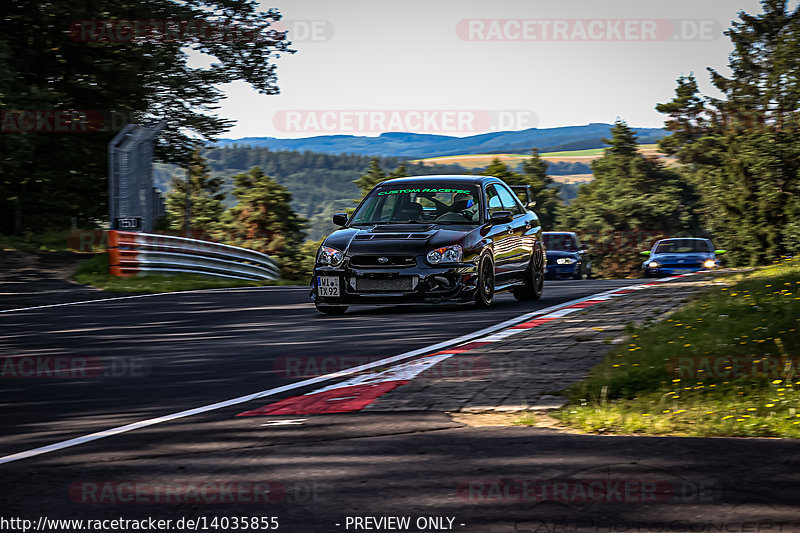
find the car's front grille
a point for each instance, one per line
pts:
(399, 284)
(368, 261)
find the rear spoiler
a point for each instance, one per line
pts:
(525, 194)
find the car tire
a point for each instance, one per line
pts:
(484, 293)
(534, 284)
(331, 309)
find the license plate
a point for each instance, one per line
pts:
(328, 286)
(682, 270)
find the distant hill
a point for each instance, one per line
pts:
(415, 145)
(321, 184)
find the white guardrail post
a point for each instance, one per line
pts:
(133, 253)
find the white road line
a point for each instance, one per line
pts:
(300, 384)
(195, 291)
(402, 372)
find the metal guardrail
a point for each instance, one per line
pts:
(133, 253)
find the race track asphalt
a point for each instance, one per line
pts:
(135, 358)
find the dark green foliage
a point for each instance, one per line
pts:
(206, 199)
(373, 176)
(632, 201)
(308, 256)
(264, 220)
(321, 184)
(48, 177)
(96, 265)
(498, 169)
(742, 151)
(545, 191)
(534, 173)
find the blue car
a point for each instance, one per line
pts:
(680, 256)
(566, 257)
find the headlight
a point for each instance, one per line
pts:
(653, 264)
(566, 260)
(329, 256)
(710, 263)
(447, 254)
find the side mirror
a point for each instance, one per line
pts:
(720, 252)
(584, 247)
(500, 217)
(340, 219)
(646, 254)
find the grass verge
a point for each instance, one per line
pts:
(724, 365)
(49, 241)
(95, 272)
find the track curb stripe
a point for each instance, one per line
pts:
(353, 395)
(438, 349)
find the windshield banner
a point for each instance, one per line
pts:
(402, 191)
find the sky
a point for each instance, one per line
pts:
(462, 67)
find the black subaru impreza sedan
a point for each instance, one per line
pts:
(431, 239)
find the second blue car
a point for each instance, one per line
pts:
(566, 257)
(680, 256)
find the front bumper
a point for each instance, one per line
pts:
(423, 283)
(672, 271)
(561, 271)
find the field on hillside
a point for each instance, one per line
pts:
(573, 178)
(473, 161)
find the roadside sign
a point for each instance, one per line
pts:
(128, 223)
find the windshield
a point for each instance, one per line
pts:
(563, 242)
(682, 246)
(434, 203)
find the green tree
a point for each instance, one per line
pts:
(498, 169)
(206, 199)
(632, 201)
(399, 172)
(373, 176)
(49, 63)
(741, 151)
(308, 258)
(534, 173)
(263, 220)
(546, 193)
